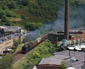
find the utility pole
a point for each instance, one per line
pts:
(20, 36)
(83, 67)
(66, 25)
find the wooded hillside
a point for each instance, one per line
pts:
(25, 12)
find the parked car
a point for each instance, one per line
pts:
(78, 48)
(71, 48)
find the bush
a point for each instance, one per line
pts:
(9, 13)
(63, 66)
(43, 50)
(1, 13)
(6, 62)
(5, 21)
(32, 26)
(11, 5)
(16, 43)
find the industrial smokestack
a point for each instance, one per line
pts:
(66, 25)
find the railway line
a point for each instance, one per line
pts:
(24, 51)
(29, 46)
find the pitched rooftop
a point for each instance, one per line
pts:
(55, 60)
(10, 28)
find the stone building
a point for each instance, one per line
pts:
(7, 36)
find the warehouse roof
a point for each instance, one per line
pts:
(8, 37)
(56, 60)
(10, 28)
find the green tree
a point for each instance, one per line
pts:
(33, 26)
(6, 62)
(11, 5)
(5, 21)
(9, 13)
(63, 66)
(1, 13)
(16, 43)
(25, 2)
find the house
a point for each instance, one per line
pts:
(54, 62)
(11, 29)
(7, 36)
(6, 44)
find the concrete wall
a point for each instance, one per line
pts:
(6, 44)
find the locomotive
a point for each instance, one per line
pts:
(30, 45)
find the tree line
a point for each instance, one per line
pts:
(30, 11)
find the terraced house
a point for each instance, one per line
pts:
(7, 36)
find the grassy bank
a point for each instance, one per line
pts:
(45, 49)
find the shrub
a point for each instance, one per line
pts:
(45, 49)
(63, 66)
(6, 62)
(32, 26)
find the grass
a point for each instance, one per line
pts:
(45, 49)
(19, 47)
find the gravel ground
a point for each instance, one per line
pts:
(77, 55)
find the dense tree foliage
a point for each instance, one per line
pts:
(63, 66)
(32, 26)
(29, 11)
(6, 62)
(36, 10)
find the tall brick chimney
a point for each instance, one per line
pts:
(66, 25)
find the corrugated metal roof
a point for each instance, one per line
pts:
(56, 60)
(10, 28)
(8, 37)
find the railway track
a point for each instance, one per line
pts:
(19, 55)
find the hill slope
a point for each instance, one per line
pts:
(25, 12)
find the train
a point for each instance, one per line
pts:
(30, 45)
(53, 37)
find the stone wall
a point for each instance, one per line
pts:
(8, 44)
(5, 45)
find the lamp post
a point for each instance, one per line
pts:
(19, 35)
(83, 67)
(71, 48)
(70, 58)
